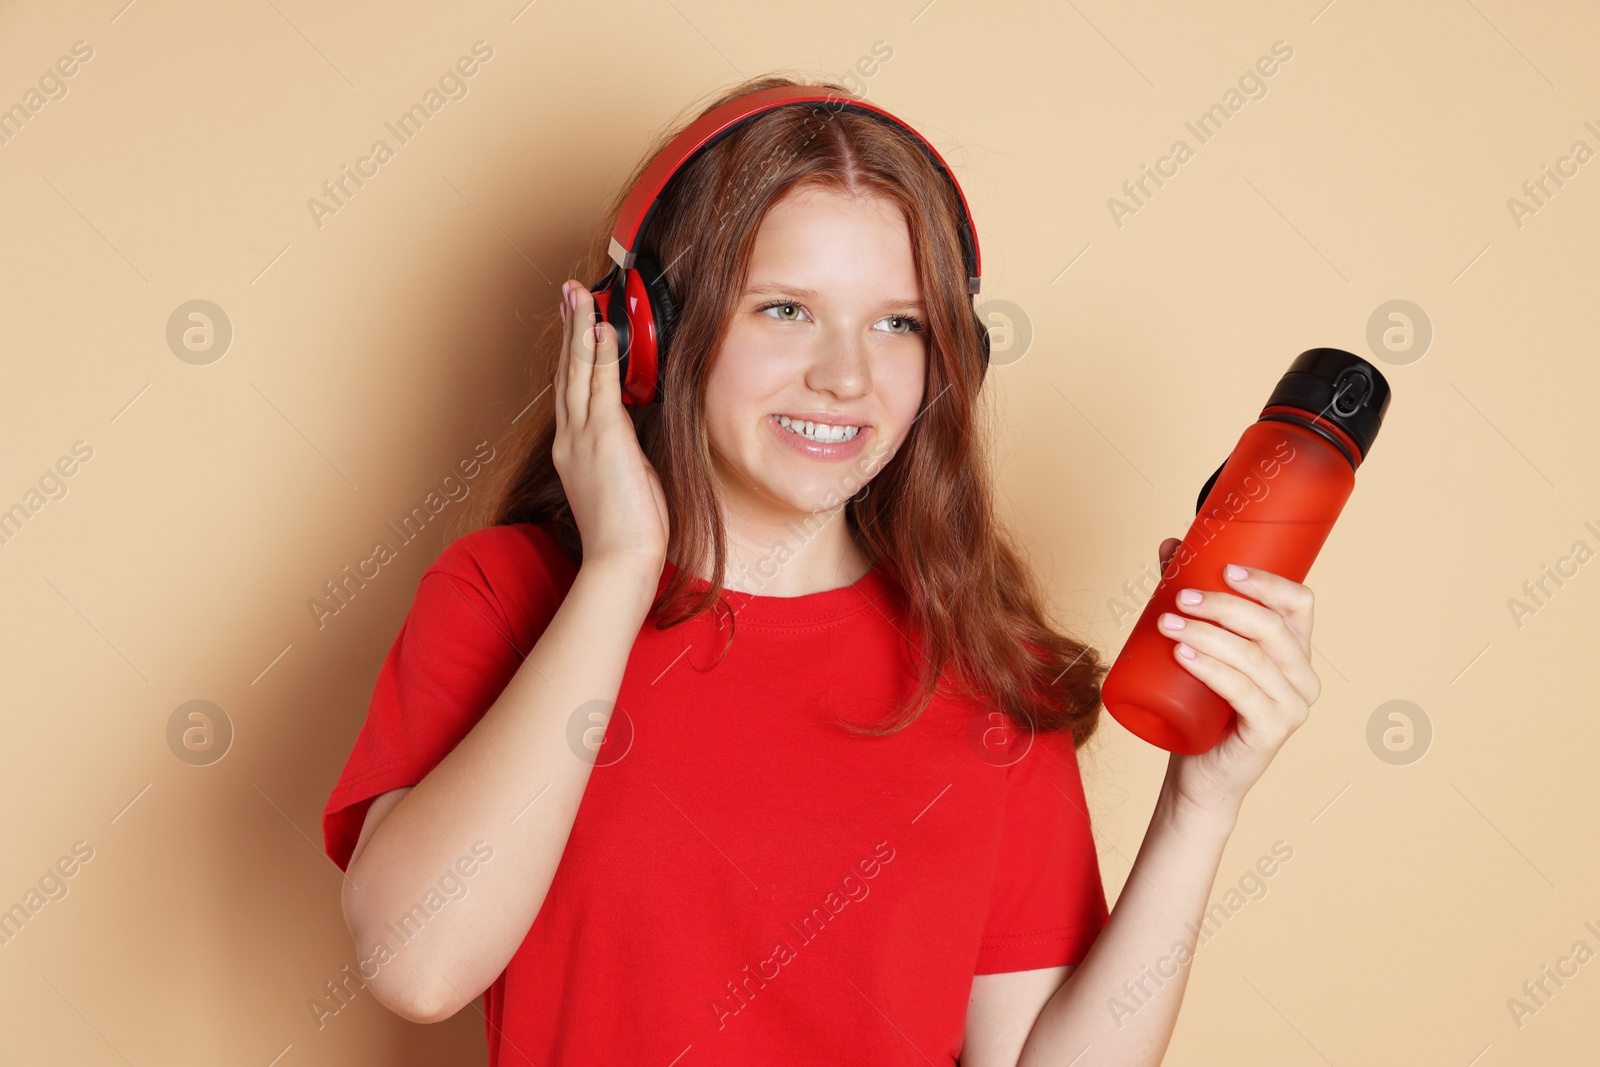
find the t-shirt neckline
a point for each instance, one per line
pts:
(872, 589)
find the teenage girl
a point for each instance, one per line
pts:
(738, 732)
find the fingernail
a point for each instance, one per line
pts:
(563, 307)
(1185, 651)
(1170, 621)
(1188, 596)
(1234, 571)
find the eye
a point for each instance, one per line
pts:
(781, 305)
(911, 323)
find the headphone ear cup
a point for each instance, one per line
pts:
(984, 341)
(611, 307)
(658, 320)
(663, 307)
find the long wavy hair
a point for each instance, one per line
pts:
(974, 605)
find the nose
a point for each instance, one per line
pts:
(842, 364)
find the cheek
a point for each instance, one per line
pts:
(900, 383)
(744, 378)
(726, 420)
(735, 403)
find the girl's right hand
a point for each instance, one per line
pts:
(613, 490)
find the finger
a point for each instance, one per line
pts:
(1294, 602)
(1271, 627)
(1242, 654)
(580, 359)
(605, 387)
(1166, 549)
(560, 380)
(1253, 622)
(1259, 717)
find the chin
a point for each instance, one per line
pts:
(807, 500)
(792, 499)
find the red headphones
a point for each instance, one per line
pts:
(636, 284)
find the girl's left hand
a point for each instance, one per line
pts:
(1256, 658)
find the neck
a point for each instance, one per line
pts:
(794, 559)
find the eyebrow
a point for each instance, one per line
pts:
(778, 289)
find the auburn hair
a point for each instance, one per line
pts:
(974, 604)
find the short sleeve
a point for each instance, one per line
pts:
(1048, 904)
(478, 611)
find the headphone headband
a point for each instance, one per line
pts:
(640, 206)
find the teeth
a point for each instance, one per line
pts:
(819, 431)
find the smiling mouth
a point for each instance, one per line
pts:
(822, 432)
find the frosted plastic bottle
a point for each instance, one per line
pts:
(1271, 505)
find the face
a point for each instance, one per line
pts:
(830, 329)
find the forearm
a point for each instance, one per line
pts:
(1122, 1001)
(484, 791)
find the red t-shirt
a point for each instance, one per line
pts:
(747, 882)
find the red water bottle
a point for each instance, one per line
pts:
(1270, 505)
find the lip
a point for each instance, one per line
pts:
(817, 449)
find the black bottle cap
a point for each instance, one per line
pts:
(1342, 388)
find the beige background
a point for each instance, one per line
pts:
(371, 354)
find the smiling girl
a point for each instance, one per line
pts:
(836, 814)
